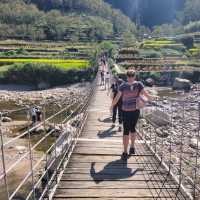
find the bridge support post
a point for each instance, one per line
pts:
(46, 157)
(55, 146)
(196, 167)
(181, 146)
(3, 160)
(170, 139)
(31, 159)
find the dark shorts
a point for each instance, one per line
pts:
(34, 118)
(130, 119)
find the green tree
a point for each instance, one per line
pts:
(128, 39)
(192, 27)
(108, 47)
(191, 11)
(61, 19)
(188, 41)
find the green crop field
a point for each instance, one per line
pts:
(61, 63)
(162, 43)
(195, 51)
(159, 42)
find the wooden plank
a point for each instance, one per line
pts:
(112, 158)
(99, 142)
(109, 137)
(102, 152)
(101, 146)
(95, 170)
(133, 193)
(109, 150)
(110, 198)
(115, 171)
(115, 184)
(97, 177)
(99, 166)
(107, 142)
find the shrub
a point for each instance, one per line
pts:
(21, 51)
(170, 52)
(188, 41)
(192, 27)
(33, 74)
(194, 51)
(150, 53)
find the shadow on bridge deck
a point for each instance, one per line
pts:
(95, 170)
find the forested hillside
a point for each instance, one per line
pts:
(151, 12)
(93, 19)
(190, 16)
(176, 15)
(61, 20)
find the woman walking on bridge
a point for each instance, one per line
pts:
(118, 107)
(130, 92)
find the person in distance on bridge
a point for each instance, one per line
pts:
(107, 80)
(130, 91)
(118, 107)
(102, 77)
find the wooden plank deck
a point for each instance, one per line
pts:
(95, 170)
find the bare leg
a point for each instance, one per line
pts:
(133, 137)
(125, 143)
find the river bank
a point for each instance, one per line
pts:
(16, 98)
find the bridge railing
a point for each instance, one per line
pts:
(35, 169)
(171, 129)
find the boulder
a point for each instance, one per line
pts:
(149, 82)
(20, 148)
(6, 119)
(176, 141)
(43, 86)
(158, 118)
(57, 131)
(194, 142)
(182, 84)
(39, 130)
(162, 133)
(18, 198)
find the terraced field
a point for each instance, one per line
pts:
(61, 63)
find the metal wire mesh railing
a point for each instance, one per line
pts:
(171, 129)
(32, 161)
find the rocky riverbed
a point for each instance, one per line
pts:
(172, 125)
(22, 97)
(15, 103)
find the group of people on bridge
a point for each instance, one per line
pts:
(105, 73)
(128, 97)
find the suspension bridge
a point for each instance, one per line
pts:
(84, 161)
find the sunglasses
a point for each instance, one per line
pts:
(130, 75)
